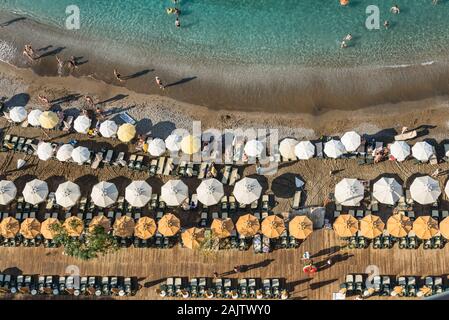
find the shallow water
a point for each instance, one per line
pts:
(281, 32)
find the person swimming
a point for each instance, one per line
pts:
(395, 9)
(386, 24)
(343, 44)
(348, 37)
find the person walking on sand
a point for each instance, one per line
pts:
(159, 83)
(177, 23)
(118, 76)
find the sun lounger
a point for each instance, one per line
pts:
(168, 167)
(296, 200)
(234, 176)
(319, 150)
(203, 219)
(243, 288)
(189, 169)
(227, 285)
(202, 284)
(98, 159)
(108, 157)
(132, 161)
(438, 285)
(67, 124)
(127, 118)
(226, 174)
(232, 203)
(139, 163)
(160, 166)
(153, 167)
(202, 170)
(406, 136)
(120, 161)
(193, 287)
(20, 144)
(411, 286)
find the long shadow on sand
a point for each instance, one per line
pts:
(182, 81)
(10, 22)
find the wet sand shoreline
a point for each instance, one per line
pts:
(283, 89)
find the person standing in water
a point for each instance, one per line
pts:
(395, 9)
(159, 83)
(118, 76)
(177, 23)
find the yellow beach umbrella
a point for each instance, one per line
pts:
(169, 225)
(74, 226)
(124, 227)
(300, 227)
(273, 226)
(126, 132)
(346, 226)
(248, 225)
(145, 228)
(399, 225)
(222, 228)
(9, 227)
(371, 226)
(444, 227)
(30, 228)
(190, 144)
(48, 120)
(192, 238)
(46, 228)
(101, 221)
(425, 227)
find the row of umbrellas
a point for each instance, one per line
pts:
(288, 148)
(398, 225)
(424, 190)
(137, 193)
(169, 225)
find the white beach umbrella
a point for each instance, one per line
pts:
(349, 192)
(210, 192)
(156, 147)
(400, 150)
(80, 154)
(351, 140)
(33, 118)
(387, 191)
(35, 191)
(287, 148)
(254, 148)
(82, 124)
(8, 192)
(18, 114)
(173, 142)
(174, 192)
(305, 150)
(247, 190)
(334, 149)
(45, 151)
(67, 194)
(64, 152)
(425, 190)
(108, 129)
(104, 194)
(138, 193)
(422, 151)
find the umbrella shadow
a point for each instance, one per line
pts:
(18, 100)
(284, 185)
(21, 181)
(54, 181)
(87, 182)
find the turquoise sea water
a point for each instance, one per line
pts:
(282, 32)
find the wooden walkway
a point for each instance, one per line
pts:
(152, 266)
